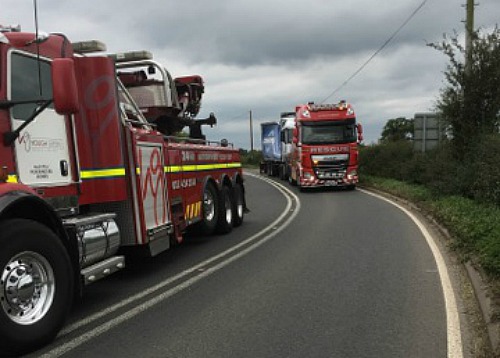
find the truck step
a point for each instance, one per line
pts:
(102, 269)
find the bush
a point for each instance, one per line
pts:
(486, 170)
(443, 174)
(477, 176)
(250, 159)
(386, 160)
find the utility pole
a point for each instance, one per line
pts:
(469, 30)
(251, 133)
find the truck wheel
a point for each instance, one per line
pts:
(225, 224)
(210, 210)
(284, 174)
(238, 205)
(36, 285)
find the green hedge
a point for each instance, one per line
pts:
(476, 177)
(250, 159)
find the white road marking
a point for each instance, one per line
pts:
(454, 335)
(97, 331)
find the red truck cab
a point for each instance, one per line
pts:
(325, 146)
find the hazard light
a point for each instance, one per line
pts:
(322, 107)
(89, 46)
(132, 56)
(341, 106)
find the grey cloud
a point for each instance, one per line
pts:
(306, 47)
(271, 35)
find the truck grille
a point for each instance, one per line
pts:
(326, 170)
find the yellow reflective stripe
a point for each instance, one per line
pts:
(190, 168)
(102, 173)
(234, 165)
(173, 169)
(199, 167)
(118, 172)
(193, 210)
(12, 179)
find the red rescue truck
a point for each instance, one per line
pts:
(90, 172)
(325, 146)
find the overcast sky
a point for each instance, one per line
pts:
(269, 55)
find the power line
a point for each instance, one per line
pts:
(377, 52)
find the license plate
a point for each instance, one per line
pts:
(330, 183)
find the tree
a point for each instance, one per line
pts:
(470, 104)
(397, 129)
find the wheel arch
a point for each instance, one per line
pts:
(238, 179)
(209, 180)
(226, 181)
(25, 205)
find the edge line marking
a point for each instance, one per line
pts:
(454, 335)
(106, 326)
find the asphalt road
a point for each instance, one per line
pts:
(349, 276)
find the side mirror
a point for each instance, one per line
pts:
(295, 139)
(360, 132)
(64, 86)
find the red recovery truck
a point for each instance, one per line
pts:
(325, 146)
(90, 172)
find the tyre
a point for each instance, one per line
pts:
(284, 173)
(36, 286)
(281, 172)
(210, 210)
(297, 181)
(238, 204)
(225, 222)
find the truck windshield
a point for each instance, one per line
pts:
(30, 80)
(328, 133)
